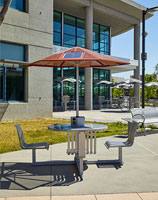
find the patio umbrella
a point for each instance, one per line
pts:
(152, 84)
(132, 81)
(66, 79)
(78, 57)
(103, 81)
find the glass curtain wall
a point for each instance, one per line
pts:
(12, 79)
(101, 39)
(73, 33)
(100, 89)
(70, 33)
(69, 88)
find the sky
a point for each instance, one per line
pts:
(122, 45)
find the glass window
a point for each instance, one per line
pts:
(101, 39)
(69, 25)
(80, 28)
(57, 21)
(57, 28)
(12, 51)
(12, 79)
(69, 40)
(74, 33)
(16, 4)
(81, 42)
(1, 83)
(56, 85)
(15, 84)
(57, 38)
(68, 87)
(100, 89)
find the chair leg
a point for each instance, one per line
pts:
(120, 155)
(33, 156)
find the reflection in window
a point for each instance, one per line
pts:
(69, 88)
(100, 89)
(101, 39)
(1, 83)
(57, 28)
(11, 78)
(16, 4)
(73, 33)
(15, 84)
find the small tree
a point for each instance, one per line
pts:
(156, 69)
(4, 10)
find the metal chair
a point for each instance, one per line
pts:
(24, 145)
(132, 127)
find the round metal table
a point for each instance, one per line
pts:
(80, 141)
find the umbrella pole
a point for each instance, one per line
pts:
(77, 91)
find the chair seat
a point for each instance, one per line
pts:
(109, 144)
(43, 145)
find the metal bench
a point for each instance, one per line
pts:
(24, 145)
(132, 127)
(145, 115)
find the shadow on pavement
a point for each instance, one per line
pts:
(151, 132)
(25, 176)
(115, 111)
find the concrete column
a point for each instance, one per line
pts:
(137, 57)
(89, 45)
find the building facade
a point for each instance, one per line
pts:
(34, 29)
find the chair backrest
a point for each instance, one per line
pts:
(21, 136)
(131, 132)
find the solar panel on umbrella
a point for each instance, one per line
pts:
(73, 55)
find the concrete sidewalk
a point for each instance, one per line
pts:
(129, 196)
(104, 115)
(136, 179)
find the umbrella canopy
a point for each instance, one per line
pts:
(84, 58)
(152, 84)
(78, 57)
(66, 79)
(132, 81)
(103, 81)
(124, 85)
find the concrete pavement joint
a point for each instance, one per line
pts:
(147, 149)
(139, 196)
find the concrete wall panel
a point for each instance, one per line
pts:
(41, 15)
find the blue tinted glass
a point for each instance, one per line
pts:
(81, 42)
(95, 37)
(95, 45)
(104, 38)
(81, 32)
(12, 51)
(20, 5)
(68, 29)
(104, 30)
(68, 39)
(13, 4)
(57, 37)
(57, 21)
(69, 25)
(73, 55)
(80, 28)
(16, 4)
(57, 26)
(68, 45)
(1, 2)
(102, 46)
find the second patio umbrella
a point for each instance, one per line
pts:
(78, 57)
